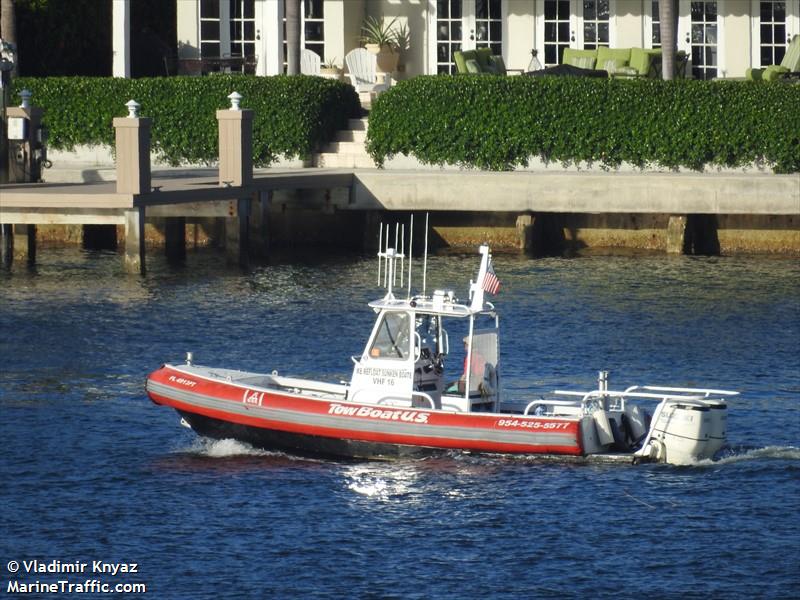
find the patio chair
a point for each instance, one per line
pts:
(790, 65)
(362, 67)
(309, 62)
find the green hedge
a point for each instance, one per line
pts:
(293, 115)
(498, 123)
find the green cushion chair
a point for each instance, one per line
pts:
(479, 61)
(789, 64)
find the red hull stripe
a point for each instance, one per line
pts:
(327, 418)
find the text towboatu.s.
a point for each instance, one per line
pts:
(402, 401)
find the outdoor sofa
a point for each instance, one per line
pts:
(624, 62)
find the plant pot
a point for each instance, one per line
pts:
(387, 60)
(329, 73)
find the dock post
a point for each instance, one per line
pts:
(237, 234)
(676, 234)
(236, 170)
(134, 241)
(259, 222)
(175, 238)
(525, 231)
(133, 177)
(7, 245)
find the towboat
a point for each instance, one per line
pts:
(400, 401)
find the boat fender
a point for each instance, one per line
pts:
(488, 386)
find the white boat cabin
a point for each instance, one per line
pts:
(405, 362)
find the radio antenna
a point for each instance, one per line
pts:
(396, 243)
(402, 252)
(425, 259)
(380, 239)
(410, 252)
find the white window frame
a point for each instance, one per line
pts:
(792, 27)
(576, 26)
(468, 24)
(684, 35)
(647, 24)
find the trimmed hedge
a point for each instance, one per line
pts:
(293, 115)
(498, 123)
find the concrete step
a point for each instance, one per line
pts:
(351, 135)
(343, 161)
(358, 124)
(346, 148)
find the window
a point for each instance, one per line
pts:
(392, 339)
(210, 28)
(704, 39)
(312, 28)
(596, 17)
(489, 25)
(772, 30)
(556, 30)
(655, 20)
(448, 34)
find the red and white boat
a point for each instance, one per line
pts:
(398, 401)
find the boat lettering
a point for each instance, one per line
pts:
(409, 416)
(252, 397)
(384, 372)
(531, 424)
(182, 381)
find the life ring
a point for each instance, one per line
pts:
(488, 385)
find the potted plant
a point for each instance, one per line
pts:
(330, 70)
(403, 45)
(380, 38)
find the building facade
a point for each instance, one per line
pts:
(722, 37)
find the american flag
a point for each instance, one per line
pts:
(490, 281)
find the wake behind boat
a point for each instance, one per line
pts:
(400, 401)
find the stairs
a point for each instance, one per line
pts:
(348, 150)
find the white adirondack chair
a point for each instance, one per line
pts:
(309, 62)
(362, 70)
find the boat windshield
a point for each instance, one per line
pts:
(392, 339)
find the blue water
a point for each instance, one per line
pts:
(91, 470)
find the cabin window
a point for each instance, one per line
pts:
(392, 340)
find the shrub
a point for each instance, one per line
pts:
(499, 123)
(293, 115)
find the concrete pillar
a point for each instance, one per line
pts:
(676, 234)
(121, 38)
(237, 234)
(134, 241)
(24, 242)
(133, 151)
(236, 170)
(259, 223)
(525, 231)
(175, 238)
(6, 245)
(235, 144)
(133, 177)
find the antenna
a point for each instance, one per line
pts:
(386, 279)
(396, 241)
(380, 237)
(402, 252)
(425, 259)
(410, 252)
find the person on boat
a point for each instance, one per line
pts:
(474, 365)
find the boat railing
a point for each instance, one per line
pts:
(415, 394)
(618, 398)
(562, 403)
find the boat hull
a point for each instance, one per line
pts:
(291, 420)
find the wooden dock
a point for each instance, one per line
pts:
(178, 197)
